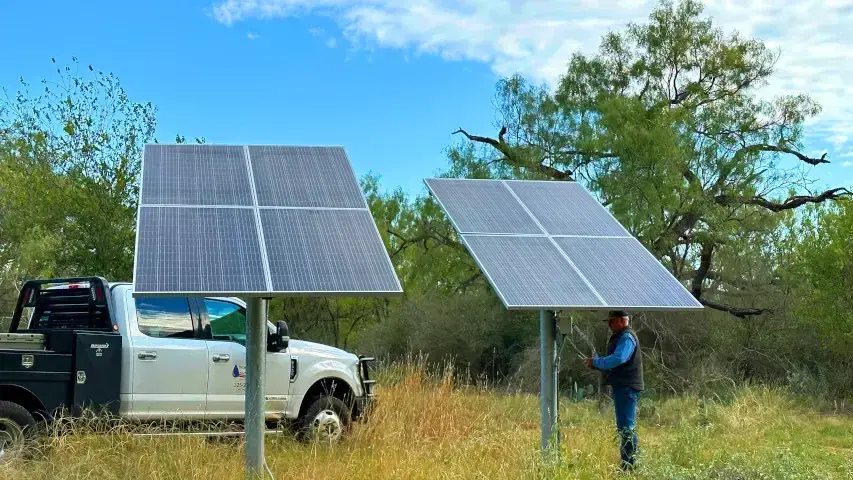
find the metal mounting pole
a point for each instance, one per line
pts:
(548, 382)
(256, 348)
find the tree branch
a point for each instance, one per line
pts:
(765, 147)
(736, 311)
(467, 283)
(704, 267)
(511, 156)
(788, 204)
(406, 242)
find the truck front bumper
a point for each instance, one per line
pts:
(367, 400)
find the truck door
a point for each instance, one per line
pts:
(224, 327)
(169, 360)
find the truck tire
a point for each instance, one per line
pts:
(326, 420)
(17, 426)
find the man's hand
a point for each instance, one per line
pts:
(588, 362)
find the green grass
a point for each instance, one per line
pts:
(426, 428)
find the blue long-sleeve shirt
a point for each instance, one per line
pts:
(624, 349)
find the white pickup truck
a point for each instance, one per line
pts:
(84, 343)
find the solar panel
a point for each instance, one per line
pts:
(326, 251)
(198, 250)
(482, 206)
(246, 220)
(530, 272)
(625, 274)
(577, 257)
(304, 177)
(195, 175)
(566, 208)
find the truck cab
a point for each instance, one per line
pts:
(86, 343)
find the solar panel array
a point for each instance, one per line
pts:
(256, 221)
(551, 245)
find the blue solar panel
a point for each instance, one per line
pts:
(625, 274)
(198, 250)
(566, 208)
(326, 251)
(482, 206)
(256, 221)
(304, 177)
(195, 175)
(553, 246)
(530, 272)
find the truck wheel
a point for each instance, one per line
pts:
(16, 426)
(326, 420)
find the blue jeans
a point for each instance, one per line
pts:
(625, 403)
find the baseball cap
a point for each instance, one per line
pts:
(616, 314)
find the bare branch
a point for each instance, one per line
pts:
(788, 204)
(765, 147)
(511, 156)
(736, 311)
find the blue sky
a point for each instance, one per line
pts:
(387, 79)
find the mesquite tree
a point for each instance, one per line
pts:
(667, 126)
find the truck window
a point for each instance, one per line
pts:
(227, 321)
(165, 317)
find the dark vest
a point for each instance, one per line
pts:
(629, 373)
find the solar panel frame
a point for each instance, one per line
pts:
(255, 208)
(613, 232)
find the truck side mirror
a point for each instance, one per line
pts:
(282, 334)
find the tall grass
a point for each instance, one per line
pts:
(425, 427)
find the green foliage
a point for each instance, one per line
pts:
(473, 330)
(820, 272)
(69, 168)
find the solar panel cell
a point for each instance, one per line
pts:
(304, 177)
(195, 175)
(482, 206)
(530, 272)
(183, 249)
(566, 208)
(326, 251)
(625, 274)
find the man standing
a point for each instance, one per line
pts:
(623, 371)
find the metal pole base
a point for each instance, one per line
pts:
(256, 349)
(550, 438)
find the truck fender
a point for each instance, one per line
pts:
(23, 397)
(314, 379)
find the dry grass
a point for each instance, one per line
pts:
(425, 428)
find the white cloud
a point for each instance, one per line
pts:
(331, 42)
(537, 38)
(316, 31)
(847, 154)
(847, 164)
(252, 36)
